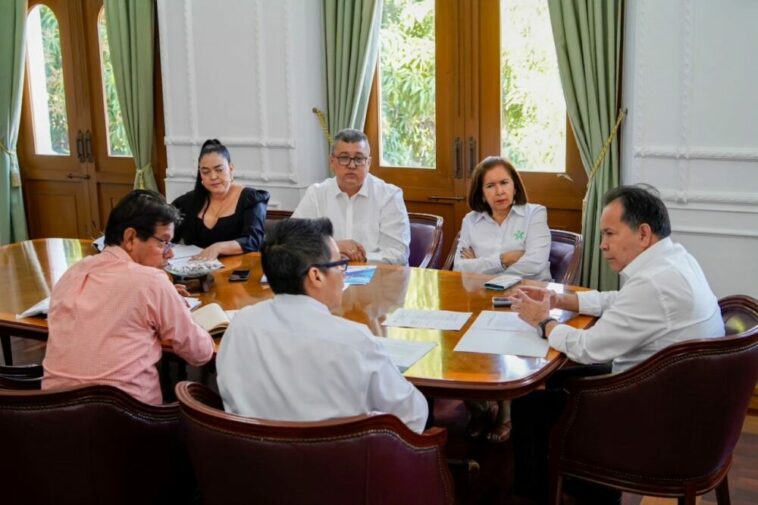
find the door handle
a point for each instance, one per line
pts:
(458, 158)
(471, 155)
(80, 146)
(447, 198)
(88, 147)
(77, 176)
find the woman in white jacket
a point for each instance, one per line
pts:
(502, 234)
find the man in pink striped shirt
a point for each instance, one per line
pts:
(110, 312)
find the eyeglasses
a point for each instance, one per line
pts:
(340, 264)
(167, 244)
(345, 160)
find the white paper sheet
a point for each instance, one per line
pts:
(433, 319)
(404, 353)
(503, 333)
(182, 251)
(192, 302)
(38, 309)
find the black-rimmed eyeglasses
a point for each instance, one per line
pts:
(167, 244)
(345, 160)
(340, 264)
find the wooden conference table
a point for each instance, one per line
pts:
(29, 269)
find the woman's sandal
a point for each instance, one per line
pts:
(501, 433)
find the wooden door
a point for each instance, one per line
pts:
(469, 96)
(71, 176)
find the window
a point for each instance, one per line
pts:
(118, 144)
(407, 68)
(48, 95)
(533, 110)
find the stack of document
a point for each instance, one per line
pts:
(503, 333)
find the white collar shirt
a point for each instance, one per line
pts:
(290, 359)
(375, 217)
(524, 229)
(665, 299)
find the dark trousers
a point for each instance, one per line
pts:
(533, 418)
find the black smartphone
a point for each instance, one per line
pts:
(501, 301)
(239, 276)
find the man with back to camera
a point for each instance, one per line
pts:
(665, 299)
(369, 216)
(110, 312)
(290, 359)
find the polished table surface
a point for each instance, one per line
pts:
(29, 269)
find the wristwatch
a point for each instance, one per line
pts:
(543, 324)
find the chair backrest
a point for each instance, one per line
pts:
(450, 260)
(740, 313)
(426, 240)
(274, 215)
(366, 459)
(668, 423)
(90, 445)
(21, 376)
(565, 256)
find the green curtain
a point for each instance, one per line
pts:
(351, 29)
(12, 40)
(131, 38)
(587, 37)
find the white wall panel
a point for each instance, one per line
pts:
(247, 72)
(691, 130)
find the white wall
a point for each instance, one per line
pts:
(247, 72)
(690, 87)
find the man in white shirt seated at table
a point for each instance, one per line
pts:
(665, 299)
(369, 216)
(290, 359)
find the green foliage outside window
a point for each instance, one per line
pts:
(117, 140)
(56, 94)
(407, 83)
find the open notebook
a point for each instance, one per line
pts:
(213, 318)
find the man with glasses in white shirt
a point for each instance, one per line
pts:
(290, 359)
(369, 216)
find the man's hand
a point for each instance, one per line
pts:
(540, 294)
(352, 250)
(467, 253)
(510, 257)
(531, 310)
(211, 252)
(182, 289)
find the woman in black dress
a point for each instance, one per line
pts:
(220, 216)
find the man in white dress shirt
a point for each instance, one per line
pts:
(665, 299)
(290, 359)
(369, 216)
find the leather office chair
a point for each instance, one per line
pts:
(272, 216)
(740, 313)
(426, 240)
(565, 256)
(91, 445)
(450, 260)
(21, 376)
(666, 427)
(366, 459)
